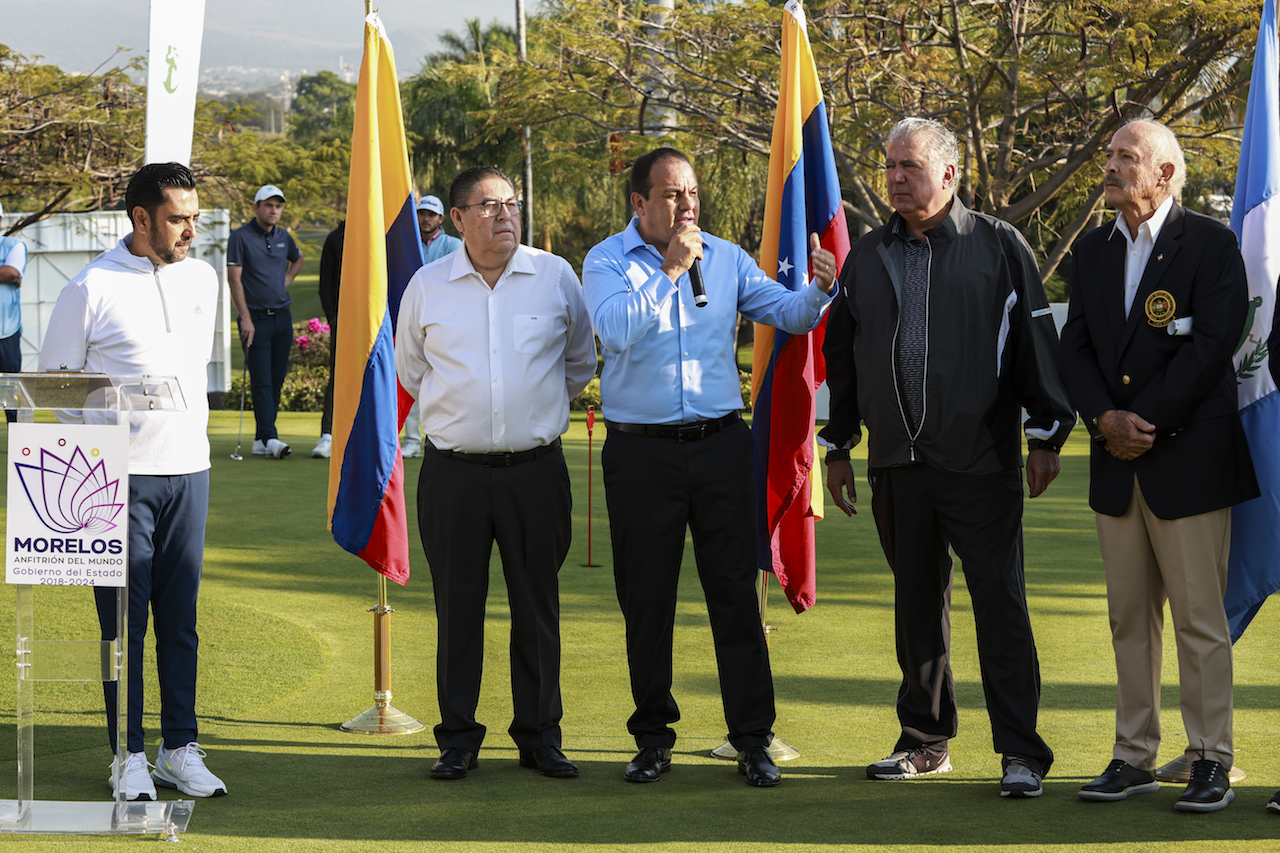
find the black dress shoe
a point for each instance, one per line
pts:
(549, 761)
(1210, 789)
(759, 767)
(1118, 781)
(648, 765)
(454, 763)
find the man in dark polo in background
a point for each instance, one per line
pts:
(493, 341)
(262, 261)
(946, 333)
(678, 454)
(1158, 302)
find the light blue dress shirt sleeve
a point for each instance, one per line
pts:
(667, 360)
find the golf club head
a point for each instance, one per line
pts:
(236, 456)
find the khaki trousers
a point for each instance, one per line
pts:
(1148, 559)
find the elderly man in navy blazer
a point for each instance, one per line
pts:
(1158, 301)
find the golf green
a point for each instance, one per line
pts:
(286, 657)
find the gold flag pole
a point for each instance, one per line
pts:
(383, 718)
(779, 749)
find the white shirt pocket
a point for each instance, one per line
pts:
(532, 333)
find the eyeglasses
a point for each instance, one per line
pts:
(490, 207)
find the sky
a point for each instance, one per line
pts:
(78, 35)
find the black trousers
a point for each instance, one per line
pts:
(655, 487)
(920, 511)
(463, 508)
(326, 407)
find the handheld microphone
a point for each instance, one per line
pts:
(695, 281)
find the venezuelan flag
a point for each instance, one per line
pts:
(380, 254)
(803, 198)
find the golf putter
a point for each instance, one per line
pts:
(240, 432)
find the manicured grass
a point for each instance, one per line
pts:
(286, 658)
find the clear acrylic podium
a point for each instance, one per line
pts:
(101, 399)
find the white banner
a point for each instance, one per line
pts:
(68, 513)
(173, 70)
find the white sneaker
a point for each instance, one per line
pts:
(276, 448)
(137, 781)
(259, 447)
(183, 768)
(411, 449)
(323, 447)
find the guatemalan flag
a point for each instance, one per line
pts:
(1254, 571)
(803, 198)
(380, 254)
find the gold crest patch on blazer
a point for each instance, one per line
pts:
(1160, 308)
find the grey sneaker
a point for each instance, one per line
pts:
(1020, 780)
(909, 764)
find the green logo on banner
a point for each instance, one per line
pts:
(172, 58)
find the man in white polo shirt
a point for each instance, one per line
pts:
(140, 308)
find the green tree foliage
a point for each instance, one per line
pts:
(324, 109)
(70, 142)
(447, 101)
(1034, 88)
(67, 141)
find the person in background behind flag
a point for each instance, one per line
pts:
(948, 333)
(435, 245)
(141, 308)
(494, 342)
(435, 242)
(678, 453)
(1158, 302)
(330, 289)
(262, 261)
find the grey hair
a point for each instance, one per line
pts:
(941, 144)
(1167, 150)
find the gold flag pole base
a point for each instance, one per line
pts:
(779, 750)
(383, 719)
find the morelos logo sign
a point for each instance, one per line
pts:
(67, 511)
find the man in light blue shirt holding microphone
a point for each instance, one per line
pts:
(678, 453)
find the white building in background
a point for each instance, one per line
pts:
(60, 246)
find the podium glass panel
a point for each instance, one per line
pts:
(95, 399)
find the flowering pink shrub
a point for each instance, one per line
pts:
(302, 341)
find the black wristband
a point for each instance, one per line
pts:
(836, 455)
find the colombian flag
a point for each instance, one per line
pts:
(803, 198)
(380, 254)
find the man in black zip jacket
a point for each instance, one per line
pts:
(944, 333)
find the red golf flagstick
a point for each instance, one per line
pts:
(591, 425)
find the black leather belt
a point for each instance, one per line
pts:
(695, 431)
(501, 460)
(265, 312)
